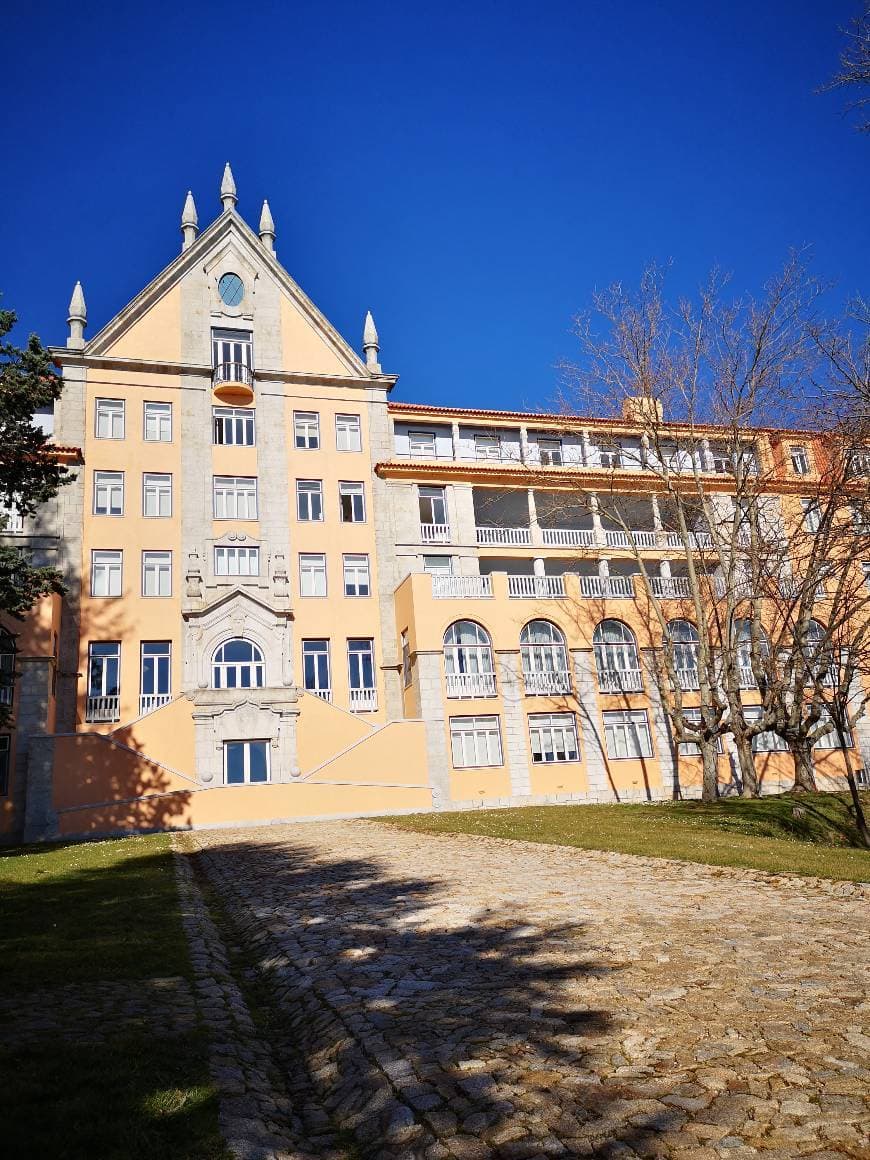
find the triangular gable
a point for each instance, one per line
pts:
(148, 313)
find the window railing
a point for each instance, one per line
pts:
(688, 679)
(435, 533)
(547, 684)
(536, 587)
(11, 522)
(470, 684)
(7, 694)
(669, 587)
(468, 587)
(569, 537)
(516, 536)
(620, 680)
(103, 709)
(746, 677)
(233, 372)
(607, 587)
(323, 694)
(148, 702)
(363, 700)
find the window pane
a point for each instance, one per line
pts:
(259, 761)
(235, 759)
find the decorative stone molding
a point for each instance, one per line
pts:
(237, 613)
(221, 715)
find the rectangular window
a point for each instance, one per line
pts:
(348, 434)
(351, 498)
(232, 353)
(5, 743)
(315, 668)
(156, 573)
(157, 425)
(553, 737)
(356, 576)
(812, 515)
(421, 444)
(800, 460)
(155, 680)
(768, 742)
(106, 573)
(626, 734)
(361, 667)
(487, 447)
(156, 495)
(108, 493)
(312, 574)
(246, 762)
(110, 419)
(433, 506)
(406, 660)
(865, 568)
(306, 430)
(237, 561)
(233, 426)
(550, 452)
(720, 460)
(831, 740)
(235, 497)
(691, 748)
(475, 741)
(104, 676)
(438, 565)
(309, 499)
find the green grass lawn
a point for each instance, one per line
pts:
(813, 834)
(96, 912)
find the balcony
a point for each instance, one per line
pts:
(688, 680)
(323, 694)
(103, 709)
(363, 700)
(233, 382)
(11, 521)
(547, 684)
(746, 677)
(461, 587)
(515, 537)
(470, 684)
(607, 587)
(148, 702)
(670, 587)
(568, 537)
(620, 680)
(536, 587)
(435, 533)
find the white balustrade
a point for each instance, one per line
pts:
(746, 677)
(547, 684)
(688, 679)
(435, 533)
(569, 537)
(470, 684)
(148, 702)
(363, 700)
(536, 587)
(103, 708)
(670, 587)
(607, 587)
(620, 680)
(466, 587)
(510, 536)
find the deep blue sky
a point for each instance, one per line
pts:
(470, 171)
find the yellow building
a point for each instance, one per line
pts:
(289, 597)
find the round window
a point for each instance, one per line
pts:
(231, 289)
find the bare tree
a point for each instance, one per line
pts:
(854, 72)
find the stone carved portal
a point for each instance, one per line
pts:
(220, 715)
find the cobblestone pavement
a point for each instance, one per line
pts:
(467, 997)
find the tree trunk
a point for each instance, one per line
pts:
(804, 777)
(710, 784)
(860, 820)
(746, 760)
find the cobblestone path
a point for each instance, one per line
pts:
(459, 996)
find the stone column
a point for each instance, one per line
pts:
(586, 447)
(40, 819)
(386, 498)
(534, 527)
(597, 526)
(454, 435)
(524, 444)
(514, 721)
(432, 696)
(594, 751)
(462, 519)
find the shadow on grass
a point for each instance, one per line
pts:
(131, 1098)
(826, 819)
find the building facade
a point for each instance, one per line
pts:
(290, 597)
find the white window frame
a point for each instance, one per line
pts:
(228, 490)
(162, 666)
(356, 573)
(812, 515)
(157, 416)
(112, 415)
(475, 742)
(112, 482)
(312, 574)
(306, 426)
(307, 490)
(355, 672)
(108, 564)
(692, 748)
(428, 502)
(831, 741)
(254, 669)
(622, 726)
(439, 570)
(422, 445)
(234, 421)
(348, 430)
(228, 560)
(550, 451)
(246, 744)
(487, 446)
(308, 649)
(157, 564)
(767, 742)
(800, 459)
(557, 729)
(157, 485)
(354, 491)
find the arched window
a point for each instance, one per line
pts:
(617, 658)
(545, 659)
(238, 664)
(7, 668)
(742, 634)
(683, 638)
(818, 654)
(468, 660)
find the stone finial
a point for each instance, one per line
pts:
(77, 319)
(228, 189)
(370, 343)
(267, 228)
(189, 221)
